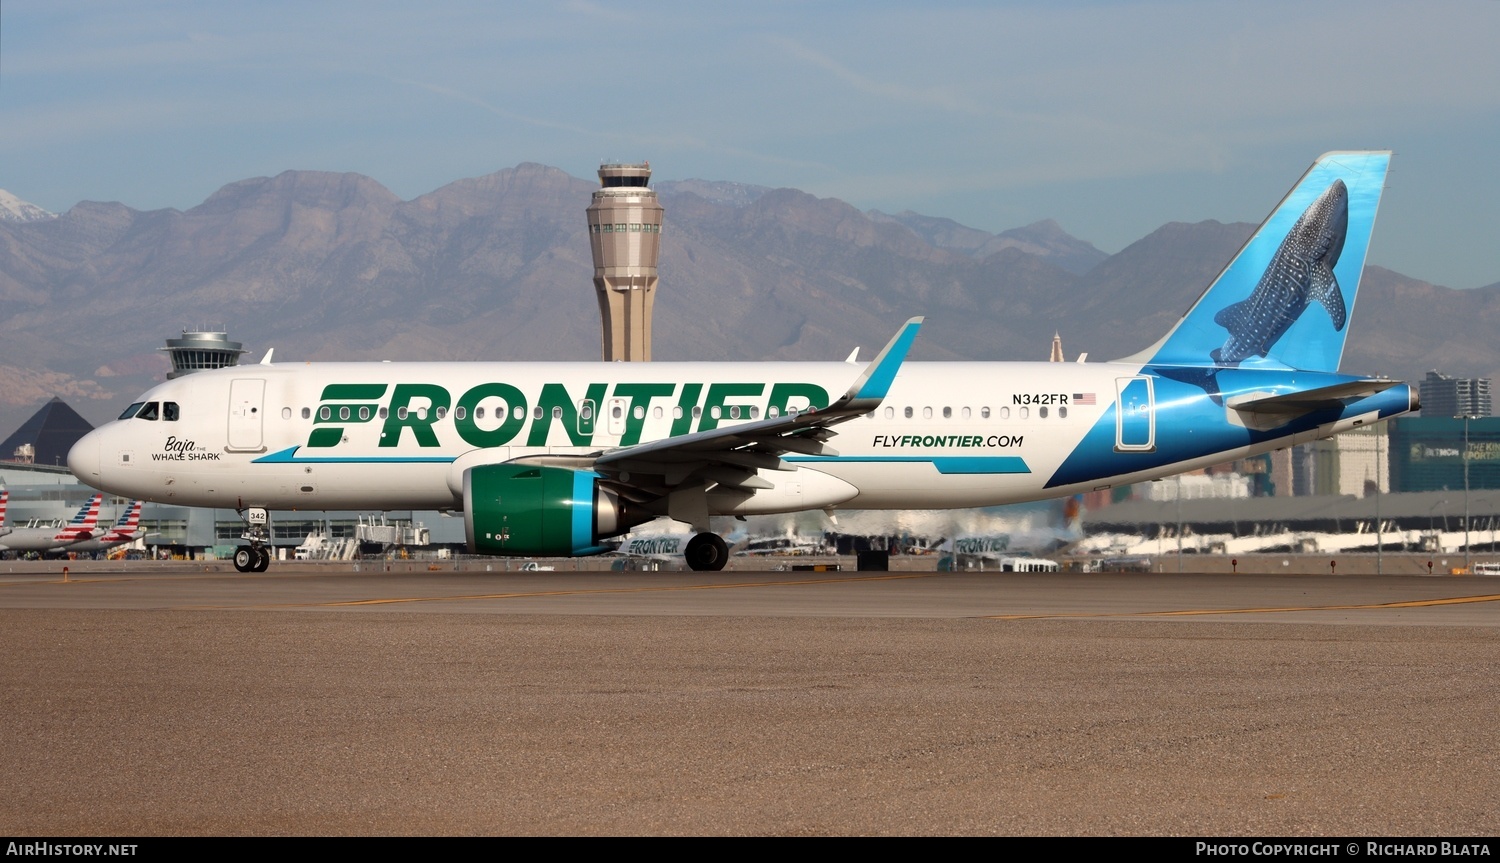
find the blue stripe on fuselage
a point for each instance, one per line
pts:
(1191, 423)
(945, 464)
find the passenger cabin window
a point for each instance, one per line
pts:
(286, 413)
(307, 413)
(1062, 413)
(908, 411)
(1042, 412)
(984, 413)
(324, 413)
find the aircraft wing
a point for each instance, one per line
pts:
(731, 455)
(1323, 398)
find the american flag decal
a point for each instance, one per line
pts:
(1083, 398)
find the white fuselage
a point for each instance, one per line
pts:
(381, 436)
(50, 538)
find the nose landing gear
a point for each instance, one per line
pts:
(252, 558)
(255, 557)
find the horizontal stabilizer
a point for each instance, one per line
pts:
(1324, 398)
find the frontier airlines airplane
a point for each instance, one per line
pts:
(555, 458)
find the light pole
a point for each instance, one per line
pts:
(1432, 521)
(1466, 494)
(1379, 536)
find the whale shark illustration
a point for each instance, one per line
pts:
(1300, 272)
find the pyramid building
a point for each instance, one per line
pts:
(50, 433)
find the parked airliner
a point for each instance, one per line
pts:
(56, 537)
(554, 458)
(126, 529)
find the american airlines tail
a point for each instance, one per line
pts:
(125, 526)
(130, 519)
(84, 523)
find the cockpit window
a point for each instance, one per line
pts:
(130, 411)
(169, 411)
(150, 412)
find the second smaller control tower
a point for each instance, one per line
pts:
(625, 235)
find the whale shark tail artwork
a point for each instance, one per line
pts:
(1309, 252)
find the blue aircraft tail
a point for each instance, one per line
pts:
(1285, 299)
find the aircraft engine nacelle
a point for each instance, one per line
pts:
(538, 511)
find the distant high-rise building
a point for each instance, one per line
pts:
(1057, 354)
(201, 349)
(625, 235)
(1443, 396)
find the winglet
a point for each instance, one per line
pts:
(872, 386)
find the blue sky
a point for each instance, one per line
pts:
(1112, 118)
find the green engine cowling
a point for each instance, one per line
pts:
(538, 511)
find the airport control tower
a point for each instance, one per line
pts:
(201, 349)
(625, 234)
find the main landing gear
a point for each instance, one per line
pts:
(255, 557)
(707, 552)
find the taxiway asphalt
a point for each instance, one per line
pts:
(319, 700)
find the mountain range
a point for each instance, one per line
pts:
(325, 266)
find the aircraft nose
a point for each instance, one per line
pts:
(83, 459)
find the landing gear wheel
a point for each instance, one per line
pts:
(245, 559)
(262, 560)
(707, 552)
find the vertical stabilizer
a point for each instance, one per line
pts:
(87, 518)
(1286, 297)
